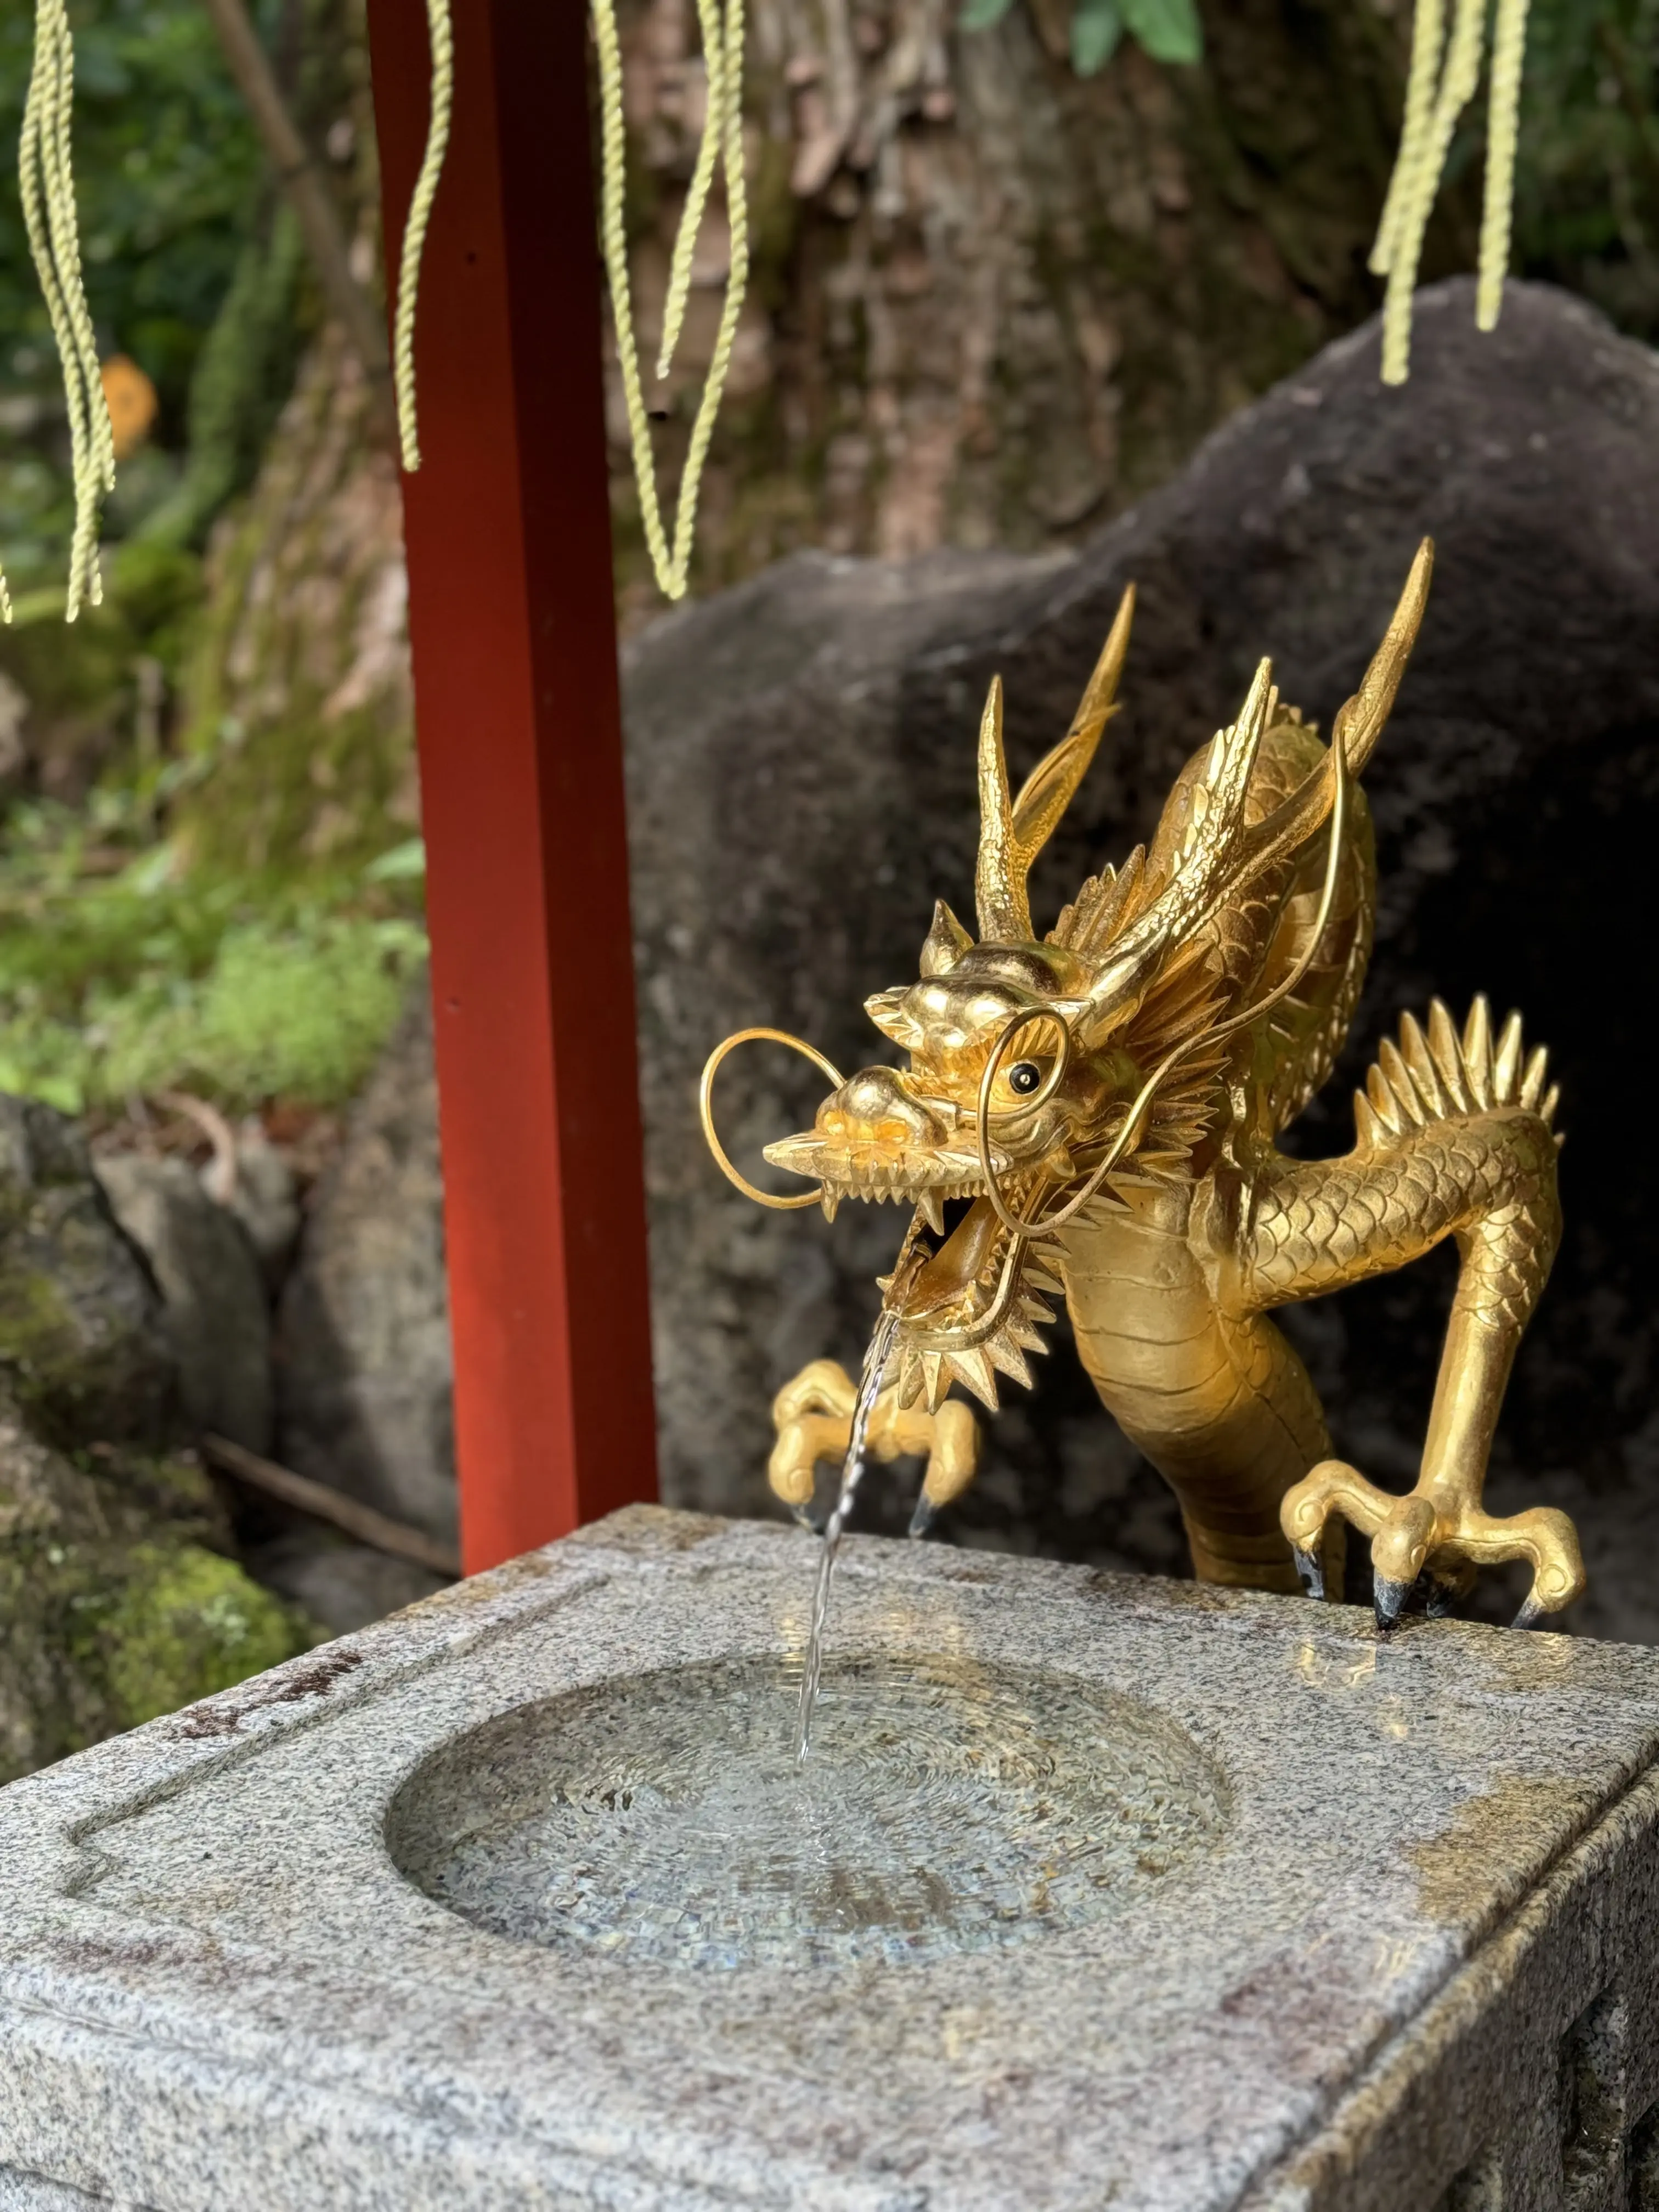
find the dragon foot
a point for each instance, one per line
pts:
(813, 1417)
(1310, 1566)
(1431, 1542)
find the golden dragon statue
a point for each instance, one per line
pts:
(1095, 1113)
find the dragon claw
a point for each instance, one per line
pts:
(1531, 1613)
(924, 1516)
(1311, 1569)
(1428, 1525)
(808, 1519)
(1389, 1599)
(1441, 1598)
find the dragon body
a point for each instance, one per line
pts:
(1095, 1114)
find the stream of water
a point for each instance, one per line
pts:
(875, 1366)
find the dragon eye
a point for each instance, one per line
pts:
(1024, 1076)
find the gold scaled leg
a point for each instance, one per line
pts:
(1454, 1140)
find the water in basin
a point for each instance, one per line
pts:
(948, 1806)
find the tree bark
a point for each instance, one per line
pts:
(993, 302)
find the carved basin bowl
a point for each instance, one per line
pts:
(946, 1806)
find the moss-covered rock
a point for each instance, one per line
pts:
(118, 1597)
(182, 1622)
(82, 1347)
(114, 1604)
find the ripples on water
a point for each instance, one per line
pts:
(948, 1806)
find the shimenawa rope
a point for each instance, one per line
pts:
(441, 36)
(1435, 96)
(722, 139)
(47, 184)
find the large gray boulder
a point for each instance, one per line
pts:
(118, 1597)
(83, 1345)
(215, 1308)
(801, 789)
(363, 1371)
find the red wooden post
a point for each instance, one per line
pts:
(512, 627)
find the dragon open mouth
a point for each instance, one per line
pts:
(961, 1319)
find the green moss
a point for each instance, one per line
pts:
(150, 979)
(242, 373)
(183, 1624)
(45, 1350)
(172, 1488)
(113, 1615)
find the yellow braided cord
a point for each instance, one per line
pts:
(441, 38)
(723, 131)
(48, 195)
(1503, 131)
(1421, 180)
(1428, 31)
(685, 242)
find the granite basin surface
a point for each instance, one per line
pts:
(1095, 1892)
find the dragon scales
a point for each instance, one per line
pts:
(1096, 1113)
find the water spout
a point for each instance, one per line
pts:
(875, 1366)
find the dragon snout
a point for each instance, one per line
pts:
(873, 1108)
(871, 1139)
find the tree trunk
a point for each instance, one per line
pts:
(993, 302)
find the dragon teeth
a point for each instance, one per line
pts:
(933, 1211)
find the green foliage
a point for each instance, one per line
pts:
(169, 180)
(144, 978)
(981, 14)
(1096, 28)
(1170, 30)
(191, 267)
(1587, 199)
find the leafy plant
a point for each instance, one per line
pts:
(169, 179)
(119, 976)
(1169, 30)
(1587, 197)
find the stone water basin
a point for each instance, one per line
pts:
(946, 1806)
(1095, 1892)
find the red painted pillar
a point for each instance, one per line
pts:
(513, 626)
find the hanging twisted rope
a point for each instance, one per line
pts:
(1502, 136)
(722, 142)
(441, 37)
(1435, 96)
(48, 195)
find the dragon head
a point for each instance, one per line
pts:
(1045, 1074)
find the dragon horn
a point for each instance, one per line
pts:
(1005, 918)
(1204, 869)
(1235, 856)
(1359, 723)
(1359, 720)
(946, 942)
(1013, 832)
